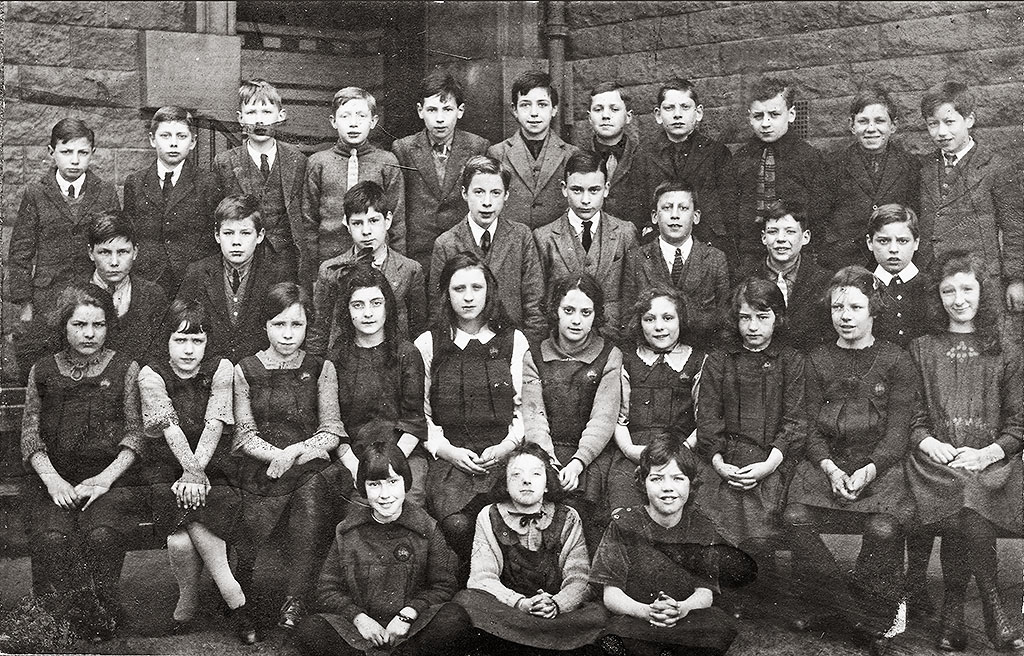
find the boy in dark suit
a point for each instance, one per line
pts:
(773, 164)
(675, 258)
(684, 153)
(535, 157)
(269, 169)
(232, 285)
(871, 172)
(368, 218)
(586, 238)
(432, 161)
(892, 238)
(170, 203)
(506, 247)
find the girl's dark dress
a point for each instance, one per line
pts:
(189, 403)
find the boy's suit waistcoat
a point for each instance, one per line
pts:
(535, 195)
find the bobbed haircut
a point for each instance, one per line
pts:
(174, 114)
(761, 295)
(954, 93)
(238, 207)
(562, 285)
(893, 213)
(531, 80)
(258, 90)
(110, 225)
(377, 461)
(585, 161)
(185, 316)
(780, 208)
(353, 93)
(986, 322)
(859, 278)
(670, 186)
(364, 276)
(874, 95)
(282, 296)
(493, 313)
(768, 87)
(662, 450)
(364, 195)
(643, 306)
(67, 129)
(442, 83)
(78, 295)
(607, 87)
(554, 491)
(678, 84)
(484, 165)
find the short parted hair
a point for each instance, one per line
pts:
(607, 87)
(678, 84)
(493, 313)
(861, 279)
(362, 276)
(441, 83)
(354, 93)
(562, 285)
(585, 161)
(986, 321)
(67, 129)
(258, 90)
(662, 450)
(282, 296)
(779, 208)
(185, 316)
(484, 165)
(873, 95)
(172, 114)
(669, 186)
(768, 87)
(364, 195)
(643, 305)
(110, 225)
(238, 207)
(77, 295)
(893, 213)
(531, 80)
(376, 464)
(954, 93)
(554, 490)
(760, 295)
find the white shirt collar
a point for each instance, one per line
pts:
(478, 232)
(675, 359)
(462, 338)
(577, 223)
(668, 251)
(162, 170)
(963, 151)
(255, 156)
(906, 275)
(64, 184)
(122, 292)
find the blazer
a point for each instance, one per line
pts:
(705, 283)
(629, 191)
(49, 245)
(171, 237)
(853, 196)
(807, 313)
(535, 195)
(561, 253)
(430, 207)
(513, 261)
(139, 331)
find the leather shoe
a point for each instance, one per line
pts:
(245, 627)
(291, 614)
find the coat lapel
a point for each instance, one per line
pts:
(569, 249)
(519, 158)
(656, 263)
(423, 156)
(215, 288)
(151, 186)
(607, 243)
(500, 246)
(461, 151)
(629, 152)
(185, 187)
(288, 159)
(247, 183)
(550, 157)
(52, 191)
(694, 265)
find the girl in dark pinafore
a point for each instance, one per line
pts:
(473, 361)
(186, 403)
(659, 379)
(286, 422)
(81, 433)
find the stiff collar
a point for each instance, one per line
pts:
(577, 223)
(478, 232)
(675, 359)
(906, 275)
(668, 251)
(76, 185)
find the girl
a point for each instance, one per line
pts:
(965, 471)
(862, 393)
(659, 379)
(286, 421)
(185, 404)
(81, 433)
(473, 361)
(659, 579)
(528, 578)
(380, 377)
(571, 393)
(750, 419)
(389, 576)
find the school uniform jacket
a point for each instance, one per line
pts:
(535, 195)
(705, 282)
(431, 207)
(49, 245)
(807, 314)
(513, 261)
(562, 253)
(629, 192)
(138, 332)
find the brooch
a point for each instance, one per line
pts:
(304, 376)
(105, 383)
(591, 375)
(880, 389)
(403, 553)
(493, 352)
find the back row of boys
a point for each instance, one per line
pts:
(714, 212)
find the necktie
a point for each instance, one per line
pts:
(265, 167)
(71, 191)
(677, 267)
(895, 282)
(168, 186)
(611, 164)
(950, 161)
(111, 288)
(353, 169)
(485, 242)
(236, 281)
(766, 181)
(783, 287)
(588, 237)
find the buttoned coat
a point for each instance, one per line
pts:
(535, 195)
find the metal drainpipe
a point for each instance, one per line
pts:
(556, 31)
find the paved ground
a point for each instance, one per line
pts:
(150, 594)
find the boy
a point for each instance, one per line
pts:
(368, 218)
(969, 197)
(773, 164)
(269, 169)
(676, 258)
(893, 237)
(534, 156)
(802, 282)
(682, 152)
(586, 238)
(331, 173)
(232, 285)
(48, 245)
(432, 161)
(625, 165)
(870, 172)
(170, 202)
(506, 247)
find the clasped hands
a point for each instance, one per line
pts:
(379, 635)
(963, 457)
(68, 496)
(847, 488)
(541, 604)
(293, 455)
(468, 461)
(665, 611)
(742, 478)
